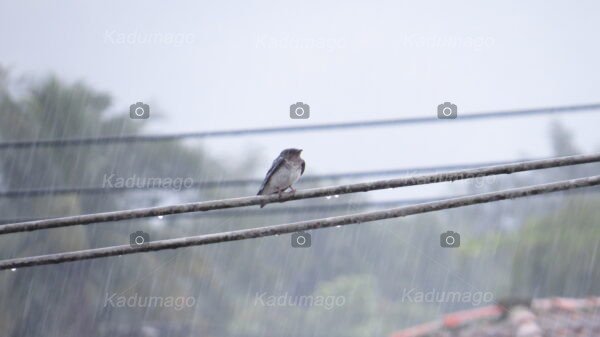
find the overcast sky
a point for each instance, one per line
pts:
(229, 65)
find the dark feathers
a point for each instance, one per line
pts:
(276, 164)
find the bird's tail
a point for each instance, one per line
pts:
(262, 205)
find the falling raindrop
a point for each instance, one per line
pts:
(336, 196)
(328, 197)
(13, 269)
(160, 217)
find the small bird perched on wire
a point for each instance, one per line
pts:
(285, 171)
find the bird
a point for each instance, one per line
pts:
(286, 169)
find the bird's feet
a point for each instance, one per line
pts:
(292, 191)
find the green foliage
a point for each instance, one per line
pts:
(51, 109)
(359, 313)
(559, 255)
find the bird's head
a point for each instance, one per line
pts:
(291, 153)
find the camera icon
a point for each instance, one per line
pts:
(139, 110)
(139, 238)
(447, 110)
(301, 240)
(450, 239)
(299, 111)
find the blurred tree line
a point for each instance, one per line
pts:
(542, 246)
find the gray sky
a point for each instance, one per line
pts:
(224, 65)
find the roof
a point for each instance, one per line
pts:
(541, 317)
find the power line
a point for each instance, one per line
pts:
(287, 129)
(259, 232)
(316, 208)
(147, 186)
(283, 210)
(302, 194)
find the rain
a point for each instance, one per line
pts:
(118, 106)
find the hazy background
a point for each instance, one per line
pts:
(71, 69)
(242, 64)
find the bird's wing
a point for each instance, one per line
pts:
(276, 165)
(303, 167)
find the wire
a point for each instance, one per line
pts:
(302, 194)
(38, 192)
(253, 233)
(287, 129)
(316, 208)
(282, 210)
